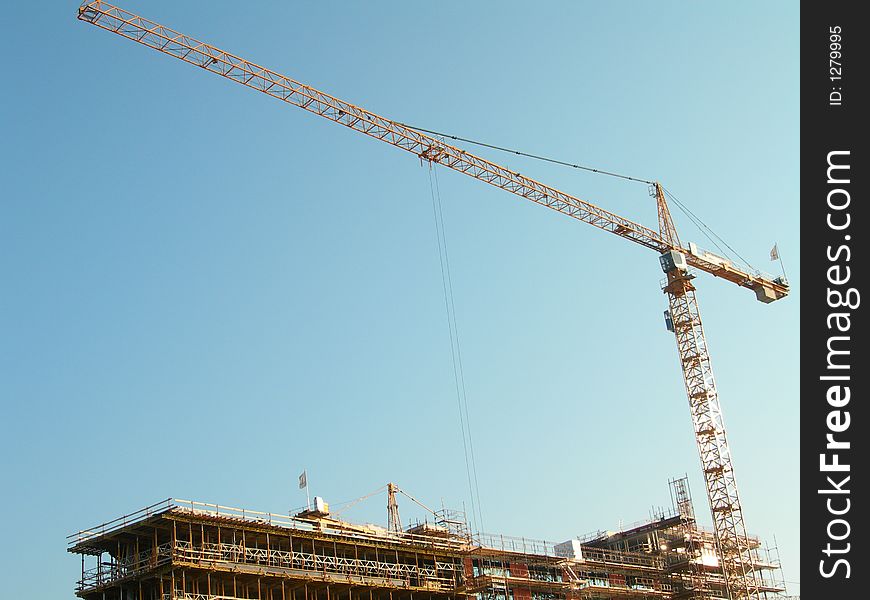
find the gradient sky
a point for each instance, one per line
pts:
(206, 291)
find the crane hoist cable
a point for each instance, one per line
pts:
(455, 349)
(459, 356)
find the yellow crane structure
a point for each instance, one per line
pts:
(735, 551)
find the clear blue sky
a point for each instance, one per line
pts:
(206, 291)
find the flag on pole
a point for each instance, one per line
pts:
(774, 253)
(303, 480)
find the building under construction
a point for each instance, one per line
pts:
(185, 550)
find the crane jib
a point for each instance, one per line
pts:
(240, 70)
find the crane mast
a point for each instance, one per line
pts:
(394, 521)
(735, 550)
(734, 547)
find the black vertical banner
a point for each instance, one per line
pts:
(834, 344)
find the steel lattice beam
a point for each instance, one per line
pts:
(735, 549)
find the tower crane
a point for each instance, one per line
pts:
(735, 550)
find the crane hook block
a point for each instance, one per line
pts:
(672, 259)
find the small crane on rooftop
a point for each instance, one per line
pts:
(734, 546)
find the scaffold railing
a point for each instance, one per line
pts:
(84, 535)
(291, 522)
(443, 574)
(520, 545)
(542, 548)
(104, 574)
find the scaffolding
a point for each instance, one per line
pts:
(182, 549)
(691, 557)
(188, 550)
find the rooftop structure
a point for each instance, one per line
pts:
(186, 550)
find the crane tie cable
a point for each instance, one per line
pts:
(702, 226)
(526, 154)
(692, 216)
